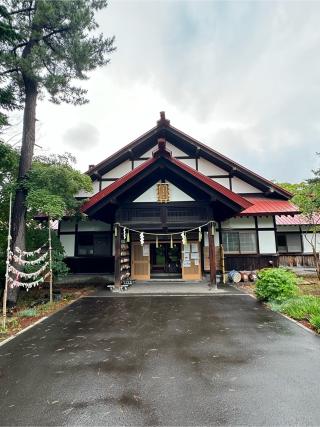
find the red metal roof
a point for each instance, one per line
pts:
(265, 206)
(297, 220)
(118, 183)
(241, 201)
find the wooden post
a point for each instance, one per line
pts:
(212, 255)
(5, 291)
(223, 269)
(117, 253)
(50, 261)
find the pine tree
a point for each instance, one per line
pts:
(45, 46)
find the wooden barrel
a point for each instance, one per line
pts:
(234, 276)
(244, 276)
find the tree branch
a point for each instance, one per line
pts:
(12, 70)
(61, 30)
(26, 9)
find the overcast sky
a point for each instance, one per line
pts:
(241, 77)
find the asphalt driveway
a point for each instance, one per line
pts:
(148, 360)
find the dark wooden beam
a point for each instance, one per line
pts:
(212, 257)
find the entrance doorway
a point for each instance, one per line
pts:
(165, 261)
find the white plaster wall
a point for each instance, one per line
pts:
(95, 185)
(246, 222)
(105, 184)
(175, 151)
(307, 248)
(119, 170)
(189, 162)
(93, 225)
(67, 241)
(222, 181)
(208, 168)
(239, 186)
(267, 242)
(138, 163)
(176, 195)
(265, 222)
(67, 225)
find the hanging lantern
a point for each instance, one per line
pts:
(212, 228)
(128, 237)
(124, 233)
(200, 234)
(171, 242)
(141, 239)
(157, 242)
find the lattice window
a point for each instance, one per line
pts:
(163, 193)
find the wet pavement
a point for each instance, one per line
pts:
(149, 360)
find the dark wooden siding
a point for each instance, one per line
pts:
(249, 262)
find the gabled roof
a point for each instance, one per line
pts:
(190, 145)
(163, 154)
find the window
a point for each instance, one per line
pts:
(94, 244)
(239, 242)
(289, 242)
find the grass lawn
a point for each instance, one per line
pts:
(26, 313)
(304, 308)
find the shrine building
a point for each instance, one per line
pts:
(167, 206)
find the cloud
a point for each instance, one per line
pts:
(81, 136)
(242, 77)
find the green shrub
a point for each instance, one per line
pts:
(303, 307)
(315, 321)
(28, 312)
(276, 284)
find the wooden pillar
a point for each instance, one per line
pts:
(212, 256)
(117, 252)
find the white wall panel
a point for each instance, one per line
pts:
(105, 184)
(119, 170)
(307, 248)
(246, 222)
(176, 195)
(222, 181)
(189, 162)
(267, 242)
(208, 168)
(67, 241)
(265, 222)
(138, 163)
(239, 186)
(67, 225)
(175, 151)
(95, 185)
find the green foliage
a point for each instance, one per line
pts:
(51, 43)
(315, 321)
(52, 184)
(302, 307)
(276, 284)
(42, 201)
(28, 312)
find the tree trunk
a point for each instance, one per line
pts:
(28, 141)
